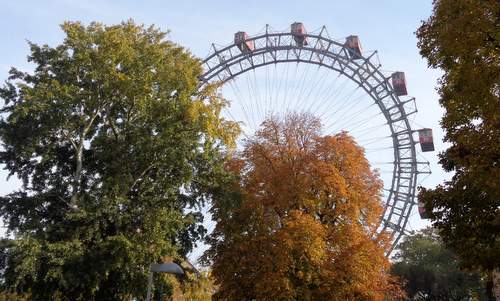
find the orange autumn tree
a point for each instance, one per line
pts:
(299, 219)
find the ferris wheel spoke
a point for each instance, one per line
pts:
(267, 103)
(375, 131)
(314, 88)
(351, 123)
(369, 141)
(303, 97)
(258, 98)
(283, 93)
(386, 171)
(303, 86)
(287, 83)
(359, 131)
(355, 125)
(255, 97)
(322, 90)
(274, 89)
(294, 99)
(252, 96)
(378, 149)
(342, 109)
(383, 162)
(366, 127)
(252, 111)
(279, 84)
(241, 100)
(353, 104)
(328, 94)
(372, 147)
(328, 112)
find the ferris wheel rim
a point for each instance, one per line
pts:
(400, 200)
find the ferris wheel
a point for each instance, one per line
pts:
(276, 72)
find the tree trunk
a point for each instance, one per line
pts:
(496, 284)
(78, 175)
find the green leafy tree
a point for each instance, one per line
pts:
(9, 296)
(462, 39)
(431, 271)
(199, 287)
(113, 142)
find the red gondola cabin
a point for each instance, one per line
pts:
(353, 44)
(426, 140)
(422, 212)
(299, 33)
(241, 40)
(399, 83)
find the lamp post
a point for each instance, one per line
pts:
(170, 268)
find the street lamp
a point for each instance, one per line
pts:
(170, 268)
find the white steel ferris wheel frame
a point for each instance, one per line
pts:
(228, 62)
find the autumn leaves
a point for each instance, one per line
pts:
(306, 225)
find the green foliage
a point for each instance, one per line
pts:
(9, 296)
(113, 141)
(461, 38)
(199, 288)
(431, 271)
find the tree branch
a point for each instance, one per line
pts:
(142, 175)
(66, 135)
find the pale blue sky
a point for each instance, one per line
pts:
(387, 26)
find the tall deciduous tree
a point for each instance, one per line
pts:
(299, 220)
(113, 141)
(431, 271)
(462, 39)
